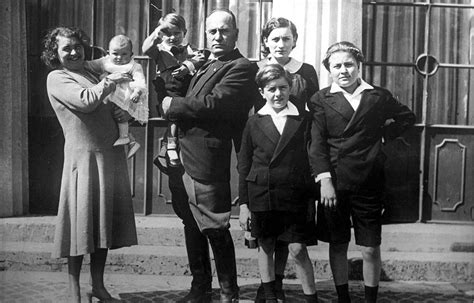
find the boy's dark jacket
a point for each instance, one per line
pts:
(274, 171)
(348, 144)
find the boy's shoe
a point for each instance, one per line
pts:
(172, 152)
(132, 149)
(122, 141)
(173, 157)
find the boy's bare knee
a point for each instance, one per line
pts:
(297, 250)
(267, 244)
(371, 253)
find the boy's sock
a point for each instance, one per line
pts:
(269, 290)
(279, 287)
(311, 298)
(122, 141)
(172, 150)
(132, 149)
(343, 293)
(371, 293)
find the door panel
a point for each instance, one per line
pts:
(451, 178)
(401, 178)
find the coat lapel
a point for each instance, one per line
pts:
(340, 105)
(368, 100)
(265, 123)
(207, 71)
(204, 75)
(292, 124)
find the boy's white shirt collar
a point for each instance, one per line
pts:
(167, 47)
(362, 86)
(291, 66)
(289, 110)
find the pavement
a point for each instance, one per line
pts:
(51, 287)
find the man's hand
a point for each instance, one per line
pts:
(180, 71)
(328, 193)
(244, 217)
(388, 122)
(121, 115)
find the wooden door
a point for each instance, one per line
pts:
(423, 53)
(100, 19)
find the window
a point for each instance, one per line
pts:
(399, 34)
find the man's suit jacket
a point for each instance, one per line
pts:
(348, 144)
(274, 171)
(213, 114)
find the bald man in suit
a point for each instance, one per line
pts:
(211, 117)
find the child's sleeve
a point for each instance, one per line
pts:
(96, 66)
(138, 75)
(198, 58)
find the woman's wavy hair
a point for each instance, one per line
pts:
(50, 44)
(343, 46)
(272, 72)
(270, 26)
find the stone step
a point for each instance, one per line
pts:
(455, 267)
(168, 231)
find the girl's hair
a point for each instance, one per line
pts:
(272, 72)
(343, 46)
(174, 19)
(50, 44)
(270, 26)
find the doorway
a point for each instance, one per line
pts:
(422, 51)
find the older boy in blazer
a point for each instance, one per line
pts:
(351, 118)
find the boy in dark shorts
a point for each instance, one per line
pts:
(275, 182)
(351, 120)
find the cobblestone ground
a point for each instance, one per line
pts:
(29, 287)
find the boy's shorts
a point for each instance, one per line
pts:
(289, 227)
(364, 207)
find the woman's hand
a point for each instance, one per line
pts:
(244, 217)
(328, 193)
(119, 77)
(121, 115)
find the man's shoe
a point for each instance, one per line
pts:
(195, 296)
